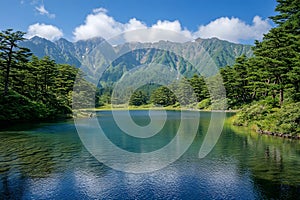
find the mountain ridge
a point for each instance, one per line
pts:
(96, 55)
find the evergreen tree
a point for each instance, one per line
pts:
(278, 53)
(163, 96)
(138, 98)
(273, 75)
(11, 54)
(185, 92)
(199, 87)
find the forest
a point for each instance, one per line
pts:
(32, 88)
(264, 88)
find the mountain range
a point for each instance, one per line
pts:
(96, 56)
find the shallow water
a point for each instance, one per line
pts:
(49, 161)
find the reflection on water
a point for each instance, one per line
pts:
(48, 161)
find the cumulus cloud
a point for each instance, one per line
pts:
(49, 32)
(100, 24)
(234, 30)
(172, 26)
(42, 11)
(162, 30)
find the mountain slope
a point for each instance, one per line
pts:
(96, 56)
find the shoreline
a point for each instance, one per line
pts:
(281, 135)
(264, 132)
(154, 108)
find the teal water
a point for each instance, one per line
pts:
(49, 161)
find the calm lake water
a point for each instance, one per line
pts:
(49, 161)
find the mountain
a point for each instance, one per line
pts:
(60, 51)
(97, 57)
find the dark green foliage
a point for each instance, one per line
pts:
(138, 98)
(104, 96)
(185, 92)
(11, 55)
(36, 89)
(236, 82)
(288, 16)
(199, 87)
(14, 106)
(271, 79)
(163, 96)
(148, 89)
(279, 51)
(275, 69)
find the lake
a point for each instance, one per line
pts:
(49, 161)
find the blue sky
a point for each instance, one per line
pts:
(239, 21)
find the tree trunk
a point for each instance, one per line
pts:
(6, 76)
(253, 95)
(6, 80)
(281, 97)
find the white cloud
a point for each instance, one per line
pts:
(172, 26)
(167, 25)
(42, 11)
(134, 24)
(98, 10)
(234, 30)
(100, 24)
(162, 30)
(49, 32)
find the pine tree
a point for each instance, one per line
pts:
(278, 53)
(163, 96)
(199, 87)
(138, 98)
(11, 54)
